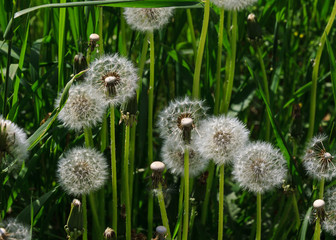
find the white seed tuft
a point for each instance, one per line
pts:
(234, 4)
(12, 229)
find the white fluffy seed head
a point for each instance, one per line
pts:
(221, 138)
(147, 19)
(329, 223)
(115, 76)
(84, 107)
(234, 4)
(172, 155)
(13, 145)
(12, 229)
(317, 161)
(82, 171)
(260, 168)
(170, 119)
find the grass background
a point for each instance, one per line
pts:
(43, 44)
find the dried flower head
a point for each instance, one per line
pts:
(147, 19)
(13, 145)
(317, 161)
(173, 156)
(82, 171)
(260, 168)
(329, 221)
(84, 107)
(115, 76)
(180, 119)
(234, 4)
(10, 229)
(221, 138)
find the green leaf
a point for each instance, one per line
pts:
(332, 68)
(305, 224)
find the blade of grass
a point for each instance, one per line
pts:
(61, 47)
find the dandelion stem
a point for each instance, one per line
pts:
(150, 128)
(296, 211)
(131, 160)
(186, 195)
(211, 171)
(142, 62)
(85, 225)
(94, 212)
(163, 210)
(317, 232)
(4, 109)
(191, 28)
(258, 235)
(198, 65)
(88, 137)
(114, 172)
(180, 206)
(126, 183)
(315, 73)
(221, 203)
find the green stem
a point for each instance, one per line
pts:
(186, 195)
(321, 192)
(85, 224)
(163, 210)
(221, 203)
(126, 183)
(114, 172)
(122, 43)
(231, 64)
(266, 91)
(142, 62)
(191, 28)
(131, 159)
(219, 61)
(150, 128)
(258, 235)
(198, 65)
(296, 211)
(94, 212)
(5, 100)
(180, 206)
(317, 233)
(100, 31)
(211, 171)
(315, 73)
(88, 137)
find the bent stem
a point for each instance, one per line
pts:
(198, 65)
(258, 235)
(221, 203)
(186, 195)
(163, 210)
(315, 73)
(114, 173)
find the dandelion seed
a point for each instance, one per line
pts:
(180, 119)
(12, 230)
(13, 145)
(329, 222)
(173, 157)
(234, 4)
(115, 76)
(147, 19)
(220, 138)
(82, 171)
(83, 109)
(260, 168)
(317, 161)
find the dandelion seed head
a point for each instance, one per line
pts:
(82, 171)
(173, 157)
(84, 107)
(221, 138)
(260, 168)
(317, 161)
(234, 4)
(329, 222)
(13, 145)
(115, 76)
(173, 119)
(147, 19)
(11, 229)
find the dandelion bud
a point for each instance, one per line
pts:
(12, 230)
(74, 226)
(157, 167)
(161, 232)
(109, 234)
(253, 29)
(94, 38)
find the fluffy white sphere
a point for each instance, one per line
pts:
(82, 171)
(147, 19)
(260, 168)
(11, 229)
(221, 138)
(234, 4)
(115, 76)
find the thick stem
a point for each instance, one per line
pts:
(198, 65)
(186, 195)
(315, 73)
(211, 171)
(88, 137)
(221, 203)
(258, 235)
(126, 183)
(114, 172)
(85, 225)
(163, 210)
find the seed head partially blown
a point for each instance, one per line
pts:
(11, 229)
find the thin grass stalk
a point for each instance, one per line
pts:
(221, 203)
(258, 234)
(317, 232)
(61, 47)
(131, 160)
(193, 214)
(5, 100)
(114, 173)
(211, 171)
(192, 31)
(142, 62)
(85, 224)
(150, 129)
(315, 73)
(296, 211)
(180, 206)
(266, 91)
(198, 64)
(163, 211)
(186, 195)
(122, 46)
(126, 183)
